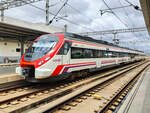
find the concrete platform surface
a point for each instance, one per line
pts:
(8, 68)
(8, 64)
(138, 100)
(10, 78)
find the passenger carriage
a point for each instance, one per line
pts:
(53, 57)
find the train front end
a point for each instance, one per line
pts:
(37, 63)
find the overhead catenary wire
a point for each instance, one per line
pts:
(135, 6)
(107, 10)
(90, 18)
(111, 11)
(78, 11)
(126, 6)
(117, 16)
(58, 12)
(74, 23)
(127, 14)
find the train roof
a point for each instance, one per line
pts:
(86, 38)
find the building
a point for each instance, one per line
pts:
(145, 4)
(10, 49)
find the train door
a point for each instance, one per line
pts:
(98, 62)
(65, 52)
(66, 56)
(99, 55)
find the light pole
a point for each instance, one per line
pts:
(47, 12)
(2, 14)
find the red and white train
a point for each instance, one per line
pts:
(62, 55)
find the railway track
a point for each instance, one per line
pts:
(98, 97)
(27, 98)
(5, 87)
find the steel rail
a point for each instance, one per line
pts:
(11, 96)
(75, 93)
(60, 92)
(55, 104)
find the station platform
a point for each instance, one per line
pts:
(8, 64)
(8, 68)
(138, 100)
(8, 73)
(10, 78)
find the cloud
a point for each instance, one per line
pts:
(87, 17)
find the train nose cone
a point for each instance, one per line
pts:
(42, 73)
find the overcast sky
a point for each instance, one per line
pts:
(86, 17)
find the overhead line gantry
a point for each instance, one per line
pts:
(7, 4)
(115, 31)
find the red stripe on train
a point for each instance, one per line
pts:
(60, 67)
(107, 61)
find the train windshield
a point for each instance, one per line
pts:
(40, 47)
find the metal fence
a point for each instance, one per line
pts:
(10, 59)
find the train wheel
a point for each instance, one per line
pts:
(85, 73)
(72, 77)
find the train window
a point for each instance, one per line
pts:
(41, 47)
(132, 55)
(109, 54)
(17, 49)
(123, 54)
(76, 53)
(91, 53)
(100, 54)
(88, 53)
(95, 54)
(114, 54)
(104, 54)
(65, 48)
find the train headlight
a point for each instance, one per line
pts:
(47, 58)
(40, 62)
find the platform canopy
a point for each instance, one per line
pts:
(145, 4)
(14, 29)
(13, 32)
(22, 31)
